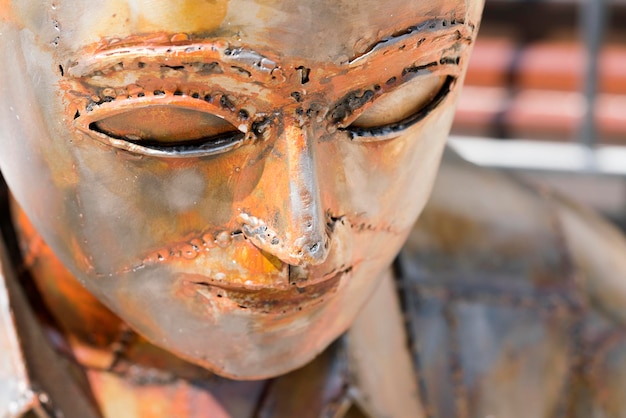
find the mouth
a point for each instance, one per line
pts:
(295, 297)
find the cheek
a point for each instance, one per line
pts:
(387, 183)
(34, 142)
(132, 205)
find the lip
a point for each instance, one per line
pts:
(263, 299)
(301, 284)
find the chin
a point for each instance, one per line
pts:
(238, 332)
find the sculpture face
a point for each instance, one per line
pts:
(230, 177)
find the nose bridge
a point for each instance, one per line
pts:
(293, 226)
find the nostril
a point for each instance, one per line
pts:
(316, 252)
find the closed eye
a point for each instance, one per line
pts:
(165, 130)
(401, 108)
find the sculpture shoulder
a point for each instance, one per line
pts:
(485, 223)
(505, 302)
(490, 223)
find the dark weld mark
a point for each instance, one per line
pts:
(450, 60)
(314, 109)
(418, 68)
(105, 99)
(260, 126)
(349, 104)
(209, 68)
(226, 103)
(243, 114)
(304, 74)
(408, 122)
(173, 67)
(241, 70)
(297, 96)
(331, 221)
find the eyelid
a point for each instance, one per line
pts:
(213, 104)
(184, 150)
(392, 130)
(86, 122)
(348, 110)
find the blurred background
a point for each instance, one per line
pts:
(545, 97)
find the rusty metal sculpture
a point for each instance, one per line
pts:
(221, 186)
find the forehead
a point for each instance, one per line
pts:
(329, 30)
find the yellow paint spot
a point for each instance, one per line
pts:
(179, 16)
(257, 261)
(118, 19)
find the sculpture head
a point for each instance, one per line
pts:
(230, 177)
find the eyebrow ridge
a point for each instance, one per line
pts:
(221, 52)
(426, 27)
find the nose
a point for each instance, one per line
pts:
(284, 215)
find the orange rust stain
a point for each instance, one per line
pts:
(82, 260)
(121, 399)
(5, 10)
